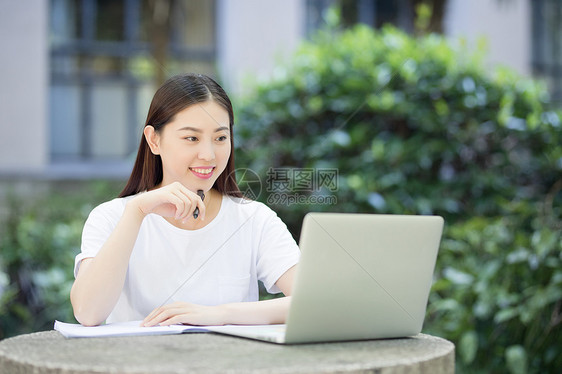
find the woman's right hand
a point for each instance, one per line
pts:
(172, 200)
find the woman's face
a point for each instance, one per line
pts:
(194, 146)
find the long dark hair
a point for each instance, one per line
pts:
(176, 94)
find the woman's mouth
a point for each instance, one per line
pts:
(203, 172)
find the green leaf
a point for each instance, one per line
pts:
(457, 276)
(468, 346)
(505, 315)
(516, 359)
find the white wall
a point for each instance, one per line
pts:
(23, 85)
(252, 35)
(506, 24)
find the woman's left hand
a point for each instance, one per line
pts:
(185, 313)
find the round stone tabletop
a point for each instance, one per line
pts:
(50, 352)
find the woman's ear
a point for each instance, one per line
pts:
(152, 138)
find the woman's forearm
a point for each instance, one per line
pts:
(100, 282)
(244, 313)
(257, 313)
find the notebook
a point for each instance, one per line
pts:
(360, 276)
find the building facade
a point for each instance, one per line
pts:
(77, 76)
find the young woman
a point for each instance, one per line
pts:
(144, 255)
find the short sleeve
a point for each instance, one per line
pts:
(277, 250)
(97, 229)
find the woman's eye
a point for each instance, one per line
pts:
(222, 138)
(191, 138)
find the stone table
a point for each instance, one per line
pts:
(50, 352)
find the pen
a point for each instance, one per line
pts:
(196, 211)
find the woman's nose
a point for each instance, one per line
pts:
(206, 151)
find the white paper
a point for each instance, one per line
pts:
(71, 330)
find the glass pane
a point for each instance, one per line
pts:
(386, 12)
(144, 97)
(65, 21)
(67, 66)
(65, 118)
(194, 23)
(349, 11)
(547, 44)
(104, 65)
(109, 121)
(553, 41)
(142, 67)
(146, 92)
(110, 21)
(180, 67)
(156, 18)
(546, 20)
(146, 15)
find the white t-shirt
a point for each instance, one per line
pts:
(219, 263)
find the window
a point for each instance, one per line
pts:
(376, 13)
(547, 44)
(107, 57)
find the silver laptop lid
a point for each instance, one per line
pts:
(362, 276)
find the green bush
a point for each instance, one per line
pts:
(39, 237)
(419, 126)
(499, 293)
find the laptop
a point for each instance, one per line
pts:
(360, 276)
